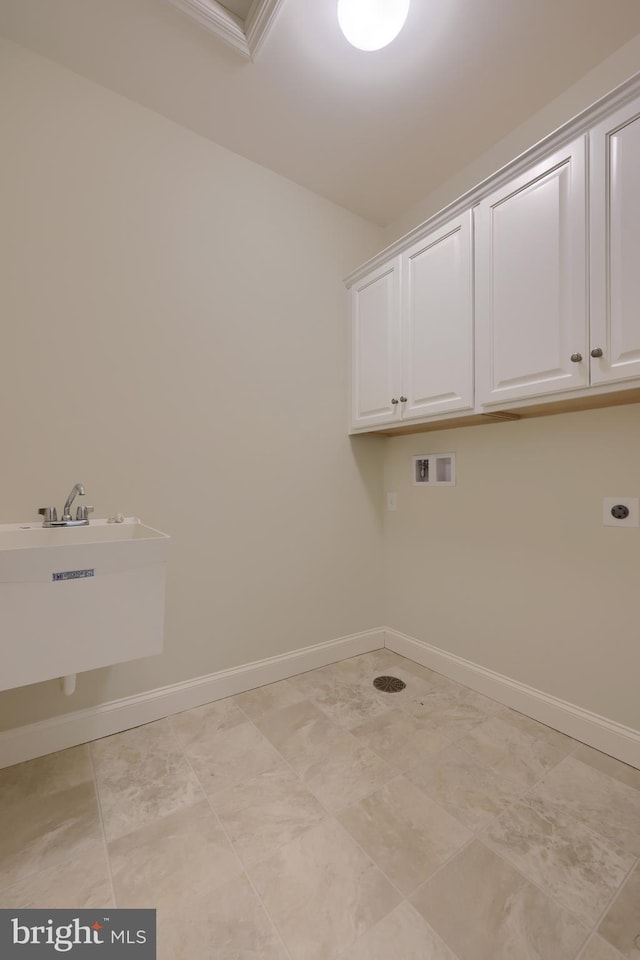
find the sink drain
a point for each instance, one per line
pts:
(389, 684)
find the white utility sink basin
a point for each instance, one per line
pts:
(78, 598)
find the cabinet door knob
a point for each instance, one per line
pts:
(394, 401)
(403, 399)
(596, 352)
(576, 357)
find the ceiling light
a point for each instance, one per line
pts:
(372, 24)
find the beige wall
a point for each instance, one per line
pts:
(613, 71)
(174, 337)
(512, 567)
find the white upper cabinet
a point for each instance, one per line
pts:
(615, 246)
(412, 332)
(375, 347)
(531, 279)
(437, 322)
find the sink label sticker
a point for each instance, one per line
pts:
(73, 575)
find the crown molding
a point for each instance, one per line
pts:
(259, 21)
(244, 35)
(576, 127)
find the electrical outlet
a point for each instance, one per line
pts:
(620, 512)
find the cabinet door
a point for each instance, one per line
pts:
(615, 246)
(375, 347)
(531, 310)
(437, 322)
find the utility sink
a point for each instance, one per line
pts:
(78, 598)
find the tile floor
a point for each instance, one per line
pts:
(318, 819)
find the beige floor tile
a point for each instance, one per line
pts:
(403, 934)
(510, 752)
(598, 949)
(45, 831)
(263, 814)
(336, 766)
(437, 680)
(49, 774)
(297, 731)
(559, 741)
(186, 851)
(485, 704)
(232, 756)
(609, 765)
(453, 716)
(226, 924)
(399, 770)
(256, 703)
(404, 832)
(621, 925)
(141, 775)
(472, 793)
(345, 690)
(370, 665)
(401, 739)
(575, 865)
(416, 686)
(130, 744)
(322, 892)
(539, 731)
(200, 724)
(349, 704)
(416, 683)
(82, 883)
(342, 770)
(319, 681)
(609, 807)
(485, 910)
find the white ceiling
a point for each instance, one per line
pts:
(374, 132)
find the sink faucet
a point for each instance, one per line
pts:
(77, 488)
(50, 514)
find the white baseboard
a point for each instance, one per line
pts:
(80, 726)
(583, 725)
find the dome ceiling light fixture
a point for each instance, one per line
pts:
(372, 24)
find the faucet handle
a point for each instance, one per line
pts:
(82, 513)
(50, 514)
